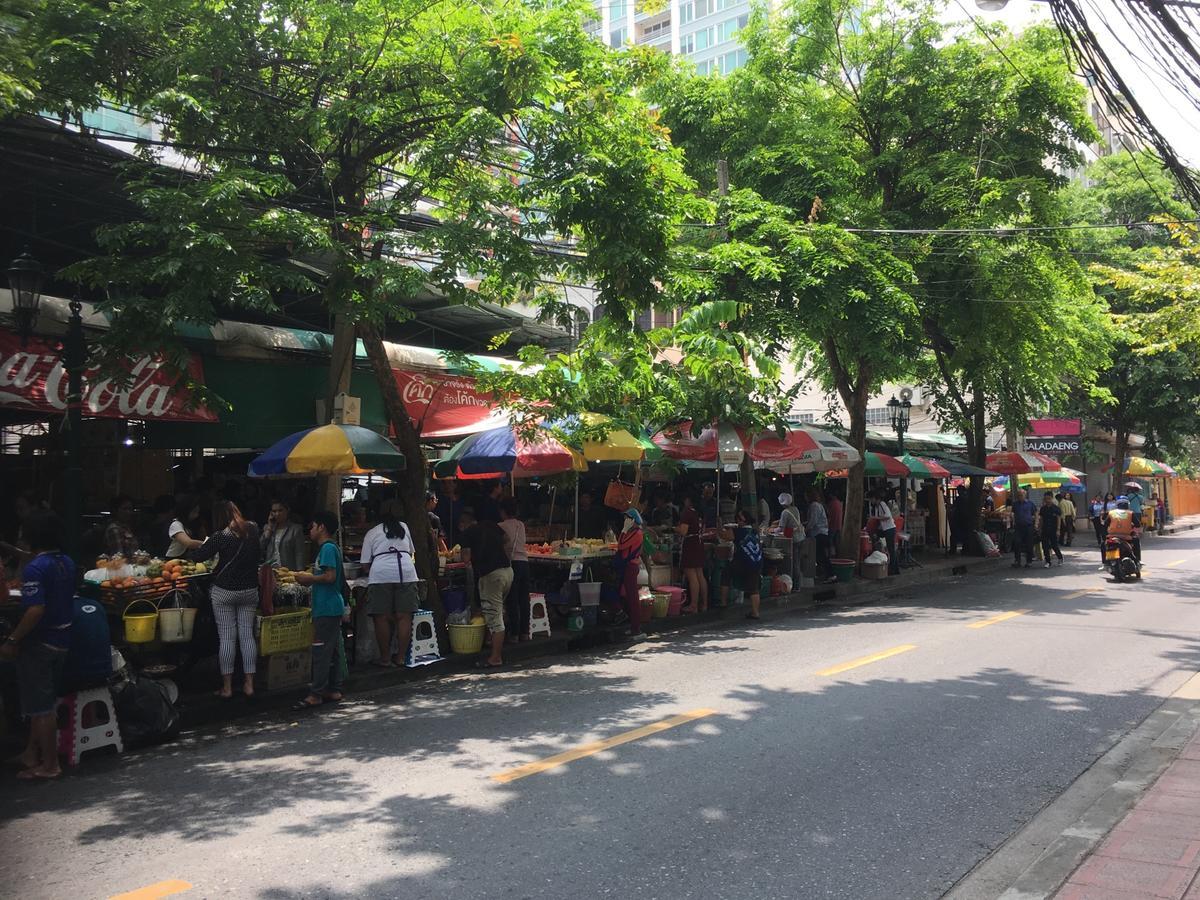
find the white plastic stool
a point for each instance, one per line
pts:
(423, 648)
(539, 618)
(74, 739)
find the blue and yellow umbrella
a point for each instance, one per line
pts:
(329, 450)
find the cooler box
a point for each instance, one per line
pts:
(659, 575)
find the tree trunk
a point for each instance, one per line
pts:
(976, 435)
(852, 510)
(341, 365)
(413, 479)
(1120, 451)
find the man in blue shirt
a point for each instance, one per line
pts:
(1024, 512)
(40, 641)
(328, 605)
(1136, 503)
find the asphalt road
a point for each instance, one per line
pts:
(788, 775)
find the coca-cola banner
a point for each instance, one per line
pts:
(33, 378)
(443, 405)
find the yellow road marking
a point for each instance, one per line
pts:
(866, 660)
(1178, 562)
(154, 891)
(1078, 594)
(561, 759)
(1003, 617)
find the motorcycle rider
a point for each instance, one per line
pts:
(1119, 522)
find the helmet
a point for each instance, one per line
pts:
(1122, 503)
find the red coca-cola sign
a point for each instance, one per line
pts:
(443, 405)
(33, 378)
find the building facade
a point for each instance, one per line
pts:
(705, 32)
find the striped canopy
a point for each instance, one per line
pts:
(504, 451)
(1147, 468)
(878, 465)
(329, 450)
(1011, 462)
(796, 450)
(921, 467)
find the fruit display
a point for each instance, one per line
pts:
(285, 576)
(577, 547)
(126, 583)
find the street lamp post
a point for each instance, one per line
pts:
(901, 412)
(25, 282)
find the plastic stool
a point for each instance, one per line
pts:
(539, 618)
(423, 648)
(75, 738)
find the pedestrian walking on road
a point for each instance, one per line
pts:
(1096, 513)
(1066, 528)
(1024, 514)
(234, 593)
(328, 605)
(1050, 520)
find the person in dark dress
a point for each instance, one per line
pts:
(692, 555)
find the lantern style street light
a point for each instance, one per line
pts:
(25, 283)
(901, 413)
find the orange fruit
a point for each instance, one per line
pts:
(106, 584)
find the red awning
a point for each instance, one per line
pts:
(443, 405)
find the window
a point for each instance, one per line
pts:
(879, 415)
(703, 39)
(704, 68)
(725, 4)
(687, 13)
(730, 27)
(730, 61)
(616, 10)
(802, 418)
(657, 27)
(616, 38)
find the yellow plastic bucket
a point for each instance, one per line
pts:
(140, 627)
(466, 638)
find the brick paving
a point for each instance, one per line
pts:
(1155, 850)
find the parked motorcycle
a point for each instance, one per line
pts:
(1118, 556)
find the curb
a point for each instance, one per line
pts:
(200, 711)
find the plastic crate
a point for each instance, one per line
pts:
(289, 629)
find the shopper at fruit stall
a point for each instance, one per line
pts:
(517, 602)
(328, 604)
(393, 591)
(593, 519)
(483, 548)
(183, 531)
(691, 558)
(282, 539)
(234, 592)
(39, 642)
(627, 562)
(118, 533)
(437, 540)
(747, 559)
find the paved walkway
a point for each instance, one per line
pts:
(1155, 850)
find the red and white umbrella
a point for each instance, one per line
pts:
(1011, 462)
(799, 451)
(794, 451)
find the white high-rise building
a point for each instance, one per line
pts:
(703, 31)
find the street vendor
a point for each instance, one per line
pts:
(119, 538)
(394, 591)
(40, 641)
(282, 539)
(628, 562)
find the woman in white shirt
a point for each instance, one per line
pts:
(517, 602)
(186, 510)
(887, 530)
(393, 591)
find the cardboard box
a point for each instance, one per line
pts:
(285, 671)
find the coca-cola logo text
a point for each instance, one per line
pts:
(35, 378)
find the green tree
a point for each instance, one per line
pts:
(1152, 385)
(366, 152)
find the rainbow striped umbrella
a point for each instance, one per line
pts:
(329, 450)
(504, 451)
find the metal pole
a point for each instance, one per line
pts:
(904, 480)
(74, 358)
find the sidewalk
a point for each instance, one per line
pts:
(1155, 850)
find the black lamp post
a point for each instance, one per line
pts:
(25, 278)
(25, 283)
(901, 412)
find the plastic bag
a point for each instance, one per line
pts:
(145, 711)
